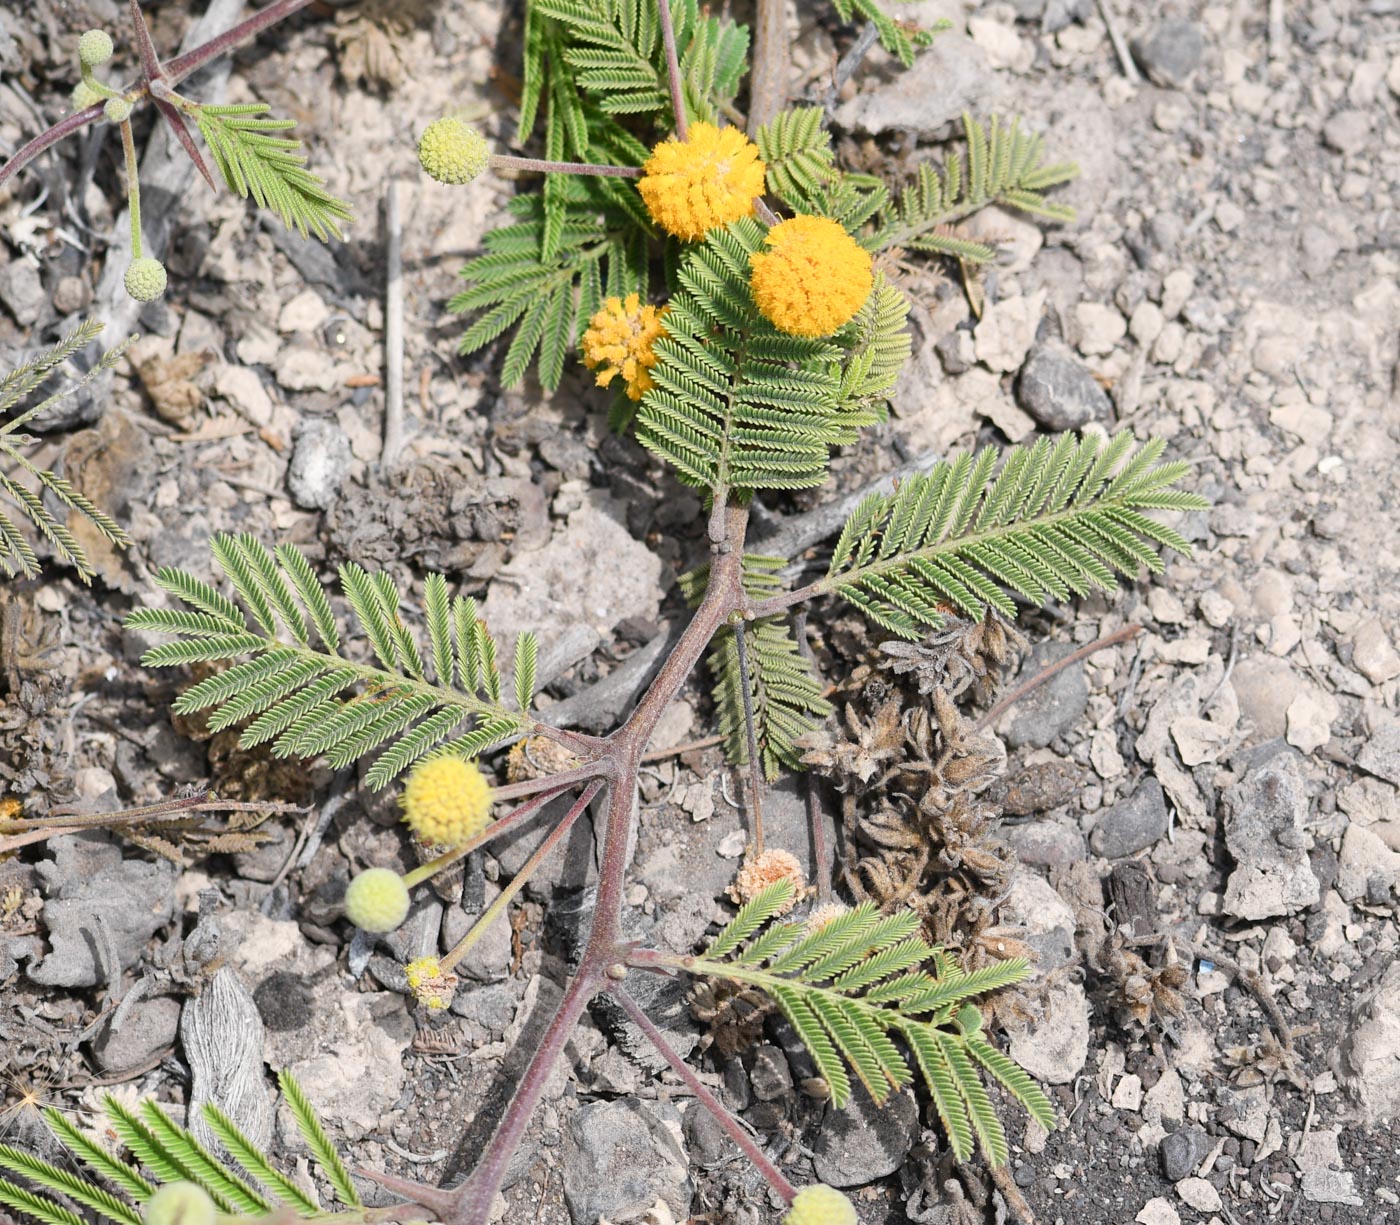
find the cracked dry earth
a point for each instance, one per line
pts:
(1212, 897)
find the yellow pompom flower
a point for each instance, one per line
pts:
(452, 151)
(821, 1205)
(709, 179)
(813, 277)
(621, 339)
(446, 801)
(180, 1203)
(430, 986)
(377, 900)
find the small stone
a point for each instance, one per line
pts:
(1318, 249)
(948, 78)
(1133, 824)
(1199, 740)
(862, 1141)
(1347, 131)
(1265, 688)
(1057, 390)
(1158, 1211)
(1099, 328)
(1146, 323)
(1127, 1094)
(1366, 1064)
(147, 1029)
(245, 393)
(1177, 287)
(1368, 871)
(1310, 717)
(1373, 654)
(1380, 753)
(1171, 52)
(1004, 334)
(22, 291)
(1043, 919)
(1182, 1151)
(620, 1157)
(303, 313)
(770, 1077)
(1201, 1195)
(1054, 1049)
(71, 294)
(321, 460)
(1049, 709)
(1265, 831)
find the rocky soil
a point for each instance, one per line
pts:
(1213, 896)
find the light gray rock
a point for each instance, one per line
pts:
(1367, 1063)
(620, 1157)
(1380, 754)
(1265, 819)
(863, 1141)
(321, 460)
(1170, 52)
(1032, 904)
(1059, 392)
(22, 291)
(100, 909)
(1132, 824)
(1347, 131)
(948, 78)
(1049, 709)
(1054, 1049)
(145, 1030)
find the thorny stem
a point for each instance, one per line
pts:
(673, 67)
(554, 783)
(133, 188)
(493, 911)
(740, 631)
(747, 1145)
(174, 72)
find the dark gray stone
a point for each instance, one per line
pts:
(321, 460)
(1171, 52)
(1046, 844)
(769, 1075)
(148, 1028)
(1050, 709)
(863, 1141)
(1060, 13)
(705, 1139)
(1132, 824)
(1059, 392)
(619, 1159)
(1182, 1151)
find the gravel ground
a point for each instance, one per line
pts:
(1216, 1006)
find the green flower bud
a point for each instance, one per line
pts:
(452, 151)
(180, 1203)
(84, 96)
(145, 279)
(95, 47)
(377, 900)
(117, 110)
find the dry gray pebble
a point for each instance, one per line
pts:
(1059, 392)
(863, 1141)
(1132, 824)
(1052, 708)
(620, 1157)
(321, 461)
(1171, 52)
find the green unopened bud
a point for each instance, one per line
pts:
(452, 151)
(95, 47)
(84, 96)
(180, 1203)
(145, 279)
(117, 110)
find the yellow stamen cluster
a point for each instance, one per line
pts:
(768, 869)
(621, 339)
(709, 179)
(819, 1204)
(377, 900)
(431, 987)
(452, 151)
(446, 801)
(813, 277)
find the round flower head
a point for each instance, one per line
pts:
(824, 914)
(429, 985)
(821, 1205)
(709, 179)
(180, 1203)
(813, 277)
(446, 801)
(377, 900)
(145, 279)
(95, 47)
(621, 339)
(768, 869)
(84, 96)
(117, 110)
(452, 151)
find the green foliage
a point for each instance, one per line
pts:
(739, 406)
(16, 553)
(247, 1183)
(895, 37)
(600, 251)
(855, 984)
(254, 161)
(292, 689)
(1060, 517)
(784, 692)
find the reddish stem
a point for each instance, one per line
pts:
(747, 1145)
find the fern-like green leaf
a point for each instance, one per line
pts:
(74, 1186)
(229, 1191)
(247, 1154)
(314, 1133)
(1059, 518)
(25, 483)
(12, 1195)
(255, 161)
(295, 693)
(895, 36)
(854, 985)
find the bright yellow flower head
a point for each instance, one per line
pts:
(707, 180)
(621, 339)
(446, 801)
(819, 1204)
(813, 277)
(430, 986)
